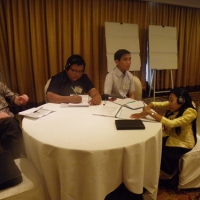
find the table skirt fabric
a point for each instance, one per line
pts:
(92, 162)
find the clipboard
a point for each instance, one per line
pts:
(125, 124)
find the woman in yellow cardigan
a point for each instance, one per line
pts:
(179, 129)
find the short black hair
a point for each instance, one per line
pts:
(75, 59)
(118, 54)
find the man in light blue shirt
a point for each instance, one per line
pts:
(119, 82)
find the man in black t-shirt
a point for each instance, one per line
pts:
(72, 81)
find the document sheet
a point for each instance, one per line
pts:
(109, 109)
(83, 103)
(36, 112)
(126, 113)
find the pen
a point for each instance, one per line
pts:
(131, 102)
(74, 90)
(105, 98)
(37, 109)
(144, 105)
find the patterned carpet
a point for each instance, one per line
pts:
(172, 194)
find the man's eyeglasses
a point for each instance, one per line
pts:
(77, 71)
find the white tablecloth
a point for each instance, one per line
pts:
(84, 157)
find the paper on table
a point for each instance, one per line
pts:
(126, 113)
(123, 101)
(130, 103)
(108, 110)
(36, 112)
(84, 103)
(135, 105)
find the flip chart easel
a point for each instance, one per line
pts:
(162, 52)
(153, 78)
(122, 36)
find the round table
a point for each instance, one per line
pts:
(83, 157)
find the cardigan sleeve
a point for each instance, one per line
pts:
(188, 116)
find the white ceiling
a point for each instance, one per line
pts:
(187, 3)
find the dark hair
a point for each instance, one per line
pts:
(182, 94)
(74, 59)
(118, 54)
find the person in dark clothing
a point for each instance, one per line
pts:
(72, 81)
(11, 139)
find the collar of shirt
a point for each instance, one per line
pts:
(119, 73)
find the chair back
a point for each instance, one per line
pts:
(138, 88)
(189, 163)
(45, 89)
(198, 120)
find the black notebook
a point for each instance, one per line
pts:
(129, 124)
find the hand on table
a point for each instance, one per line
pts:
(96, 100)
(139, 115)
(75, 99)
(143, 114)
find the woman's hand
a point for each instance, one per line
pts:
(139, 115)
(143, 114)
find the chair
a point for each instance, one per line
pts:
(45, 89)
(32, 186)
(138, 88)
(189, 167)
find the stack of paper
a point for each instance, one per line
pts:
(122, 109)
(126, 113)
(36, 112)
(84, 103)
(130, 103)
(109, 110)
